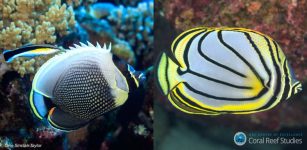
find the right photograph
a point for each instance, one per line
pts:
(230, 74)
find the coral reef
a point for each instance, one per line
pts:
(101, 31)
(36, 22)
(12, 100)
(28, 66)
(134, 25)
(30, 21)
(129, 28)
(55, 22)
(16, 125)
(76, 3)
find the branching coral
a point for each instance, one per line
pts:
(9, 35)
(43, 32)
(33, 21)
(24, 65)
(101, 32)
(36, 22)
(130, 29)
(74, 2)
(61, 17)
(134, 25)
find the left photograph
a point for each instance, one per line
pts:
(76, 74)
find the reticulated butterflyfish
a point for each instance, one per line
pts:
(30, 51)
(76, 86)
(213, 71)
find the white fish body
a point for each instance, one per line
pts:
(51, 71)
(213, 71)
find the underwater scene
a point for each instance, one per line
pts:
(76, 74)
(216, 57)
(145, 74)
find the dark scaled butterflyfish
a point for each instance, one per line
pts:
(212, 71)
(77, 85)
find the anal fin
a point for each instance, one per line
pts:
(62, 120)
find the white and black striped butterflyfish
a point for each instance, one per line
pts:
(78, 85)
(212, 71)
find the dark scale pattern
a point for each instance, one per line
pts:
(83, 91)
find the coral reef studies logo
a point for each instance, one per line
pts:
(239, 138)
